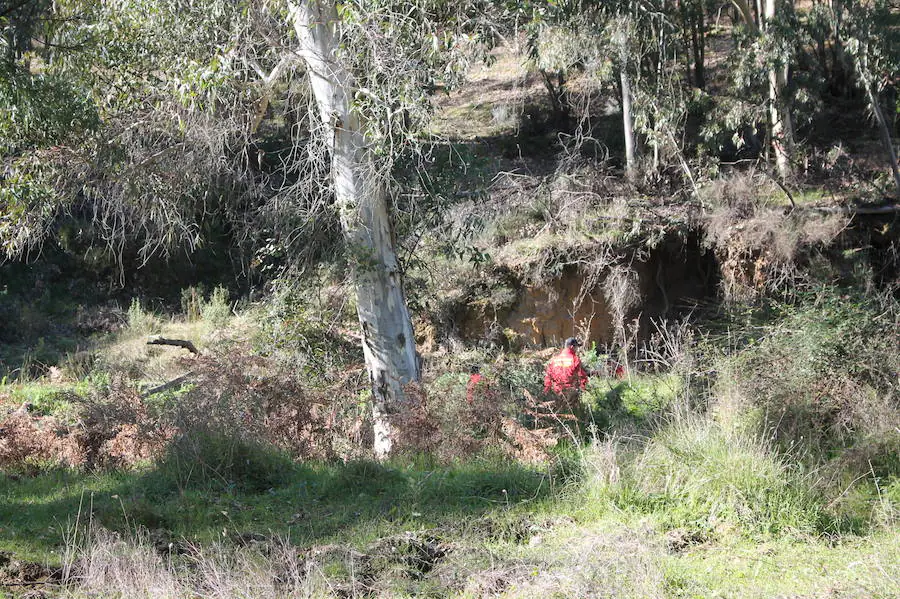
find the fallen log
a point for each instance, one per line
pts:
(188, 345)
(853, 210)
(176, 382)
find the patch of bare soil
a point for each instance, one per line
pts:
(386, 563)
(20, 575)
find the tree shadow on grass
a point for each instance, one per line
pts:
(313, 504)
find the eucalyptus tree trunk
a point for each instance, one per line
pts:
(866, 81)
(747, 15)
(780, 126)
(885, 133)
(387, 333)
(628, 123)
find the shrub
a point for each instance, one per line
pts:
(704, 476)
(443, 420)
(140, 321)
(109, 428)
(300, 331)
(217, 310)
(697, 475)
(823, 379)
(29, 445)
(253, 398)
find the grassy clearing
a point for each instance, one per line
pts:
(350, 503)
(405, 530)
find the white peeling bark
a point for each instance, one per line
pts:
(387, 333)
(780, 122)
(628, 124)
(780, 125)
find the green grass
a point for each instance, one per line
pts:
(702, 476)
(697, 477)
(855, 567)
(313, 504)
(656, 503)
(694, 511)
(633, 402)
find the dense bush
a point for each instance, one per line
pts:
(822, 379)
(302, 327)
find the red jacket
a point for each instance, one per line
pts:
(474, 379)
(564, 372)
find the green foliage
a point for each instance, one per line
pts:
(821, 380)
(297, 328)
(141, 321)
(42, 110)
(27, 207)
(521, 375)
(702, 476)
(696, 475)
(637, 401)
(45, 399)
(398, 59)
(217, 310)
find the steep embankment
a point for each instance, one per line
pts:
(549, 239)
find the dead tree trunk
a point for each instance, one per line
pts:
(387, 333)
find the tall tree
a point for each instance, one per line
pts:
(692, 14)
(182, 88)
(872, 41)
(387, 333)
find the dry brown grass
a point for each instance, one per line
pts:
(761, 244)
(597, 564)
(625, 564)
(492, 101)
(111, 565)
(111, 429)
(449, 427)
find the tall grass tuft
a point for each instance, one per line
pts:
(217, 310)
(107, 564)
(216, 460)
(697, 475)
(705, 476)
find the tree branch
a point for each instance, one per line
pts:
(188, 345)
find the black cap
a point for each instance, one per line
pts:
(572, 342)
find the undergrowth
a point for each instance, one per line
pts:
(783, 434)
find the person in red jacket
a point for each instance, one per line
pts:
(564, 372)
(475, 377)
